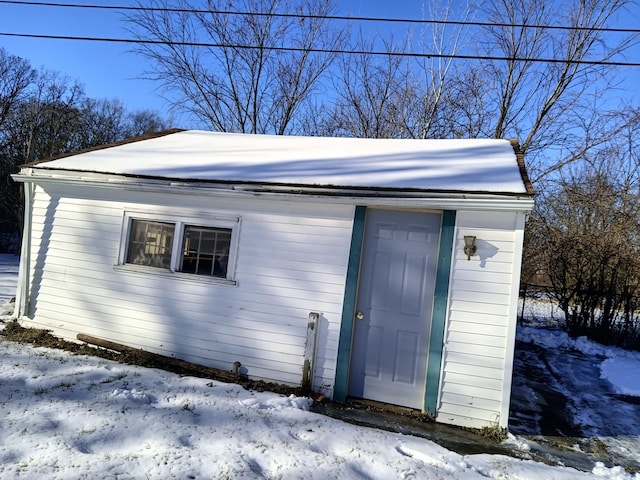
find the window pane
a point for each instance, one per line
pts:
(150, 243)
(206, 250)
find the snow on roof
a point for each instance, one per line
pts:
(477, 165)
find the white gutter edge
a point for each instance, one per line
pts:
(431, 200)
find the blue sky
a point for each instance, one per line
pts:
(109, 70)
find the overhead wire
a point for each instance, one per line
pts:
(320, 50)
(312, 50)
(314, 16)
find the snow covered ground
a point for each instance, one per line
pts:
(621, 368)
(578, 394)
(72, 417)
(8, 280)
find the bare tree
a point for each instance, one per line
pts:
(16, 78)
(48, 114)
(16, 75)
(394, 96)
(107, 120)
(544, 104)
(436, 94)
(141, 122)
(368, 91)
(245, 81)
(40, 125)
(583, 243)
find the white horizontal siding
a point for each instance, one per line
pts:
(205, 341)
(291, 260)
(470, 308)
(470, 415)
(480, 315)
(477, 326)
(488, 276)
(460, 364)
(466, 317)
(488, 288)
(466, 394)
(494, 339)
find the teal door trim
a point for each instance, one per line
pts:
(438, 319)
(348, 307)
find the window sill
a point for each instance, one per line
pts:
(179, 276)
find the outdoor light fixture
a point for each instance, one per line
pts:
(470, 246)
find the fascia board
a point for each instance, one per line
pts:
(369, 198)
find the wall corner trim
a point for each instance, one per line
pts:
(23, 292)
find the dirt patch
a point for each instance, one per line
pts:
(43, 338)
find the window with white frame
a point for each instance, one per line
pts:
(186, 245)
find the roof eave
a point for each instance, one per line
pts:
(360, 195)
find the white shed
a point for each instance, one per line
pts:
(336, 260)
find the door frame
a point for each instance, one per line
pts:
(438, 319)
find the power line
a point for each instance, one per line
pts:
(327, 17)
(318, 50)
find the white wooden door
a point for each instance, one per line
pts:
(394, 305)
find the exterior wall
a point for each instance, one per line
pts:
(480, 332)
(291, 260)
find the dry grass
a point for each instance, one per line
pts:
(494, 434)
(43, 338)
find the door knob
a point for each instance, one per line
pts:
(359, 315)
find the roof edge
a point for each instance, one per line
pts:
(515, 143)
(147, 136)
(257, 186)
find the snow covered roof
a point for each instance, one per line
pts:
(470, 165)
